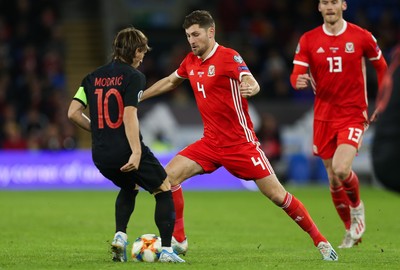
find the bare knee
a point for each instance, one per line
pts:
(272, 189)
(174, 181)
(181, 168)
(165, 186)
(173, 175)
(341, 171)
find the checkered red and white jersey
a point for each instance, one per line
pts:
(215, 83)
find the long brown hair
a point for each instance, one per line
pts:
(126, 42)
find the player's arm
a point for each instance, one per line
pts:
(248, 86)
(164, 85)
(299, 79)
(374, 54)
(77, 116)
(75, 110)
(131, 124)
(381, 67)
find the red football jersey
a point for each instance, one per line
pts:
(338, 71)
(215, 83)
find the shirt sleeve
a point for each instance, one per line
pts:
(236, 65)
(372, 50)
(135, 85)
(301, 55)
(182, 71)
(81, 94)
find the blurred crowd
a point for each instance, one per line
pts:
(32, 77)
(273, 28)
(266, 33)
(33, 90)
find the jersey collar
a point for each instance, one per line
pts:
(212, 52)
(339, 33)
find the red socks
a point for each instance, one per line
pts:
(341, 203)
(179, 229)
(296, 210)
(351, 186)
(291, 205)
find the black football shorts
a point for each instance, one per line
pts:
(150, 176)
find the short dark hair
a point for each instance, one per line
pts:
(126, 42)
(201, 17)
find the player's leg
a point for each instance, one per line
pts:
(164, 214)
(325, 145)
(248, 161)
(164, 217)
(272, 188)
(197, 158)
(152, 177)
(124, 206)
(340, 202)
(178, 170)
(125, 201)
(341, 166)
(326, 139)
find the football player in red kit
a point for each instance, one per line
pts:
(331, 58)
(221, 82)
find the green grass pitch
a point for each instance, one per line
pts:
(226, 230)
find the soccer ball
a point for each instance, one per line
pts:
(146, 248)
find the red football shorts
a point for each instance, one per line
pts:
(329, 135)
(246, 161)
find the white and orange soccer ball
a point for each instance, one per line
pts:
(146, 248)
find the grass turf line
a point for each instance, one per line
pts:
(226, 230)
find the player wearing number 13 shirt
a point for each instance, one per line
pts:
(221, 83)
(331, 58)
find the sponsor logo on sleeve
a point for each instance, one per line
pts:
(241, 68)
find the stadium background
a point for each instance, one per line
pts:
(47, 46)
